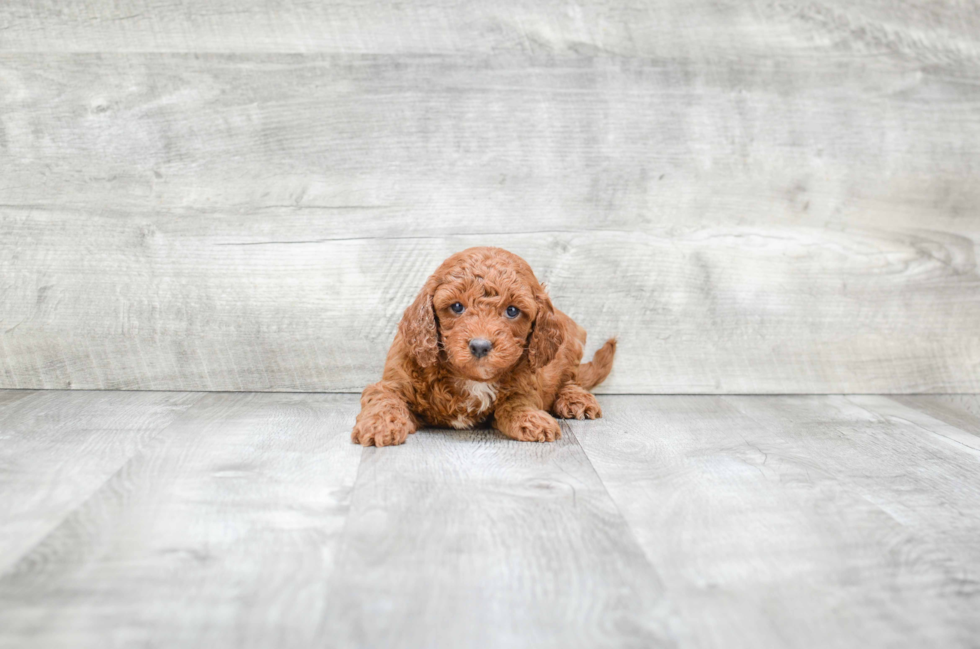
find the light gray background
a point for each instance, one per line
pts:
(244, 195)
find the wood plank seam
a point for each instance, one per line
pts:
(10, 563)
(966, 440)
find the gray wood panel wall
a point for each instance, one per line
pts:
(244, 195)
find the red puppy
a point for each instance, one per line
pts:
(483, 339)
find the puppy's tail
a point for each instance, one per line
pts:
(591, 374)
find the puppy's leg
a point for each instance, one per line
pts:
(384, 420)
(519, 418)
(575, 402)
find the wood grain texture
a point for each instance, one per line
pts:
(468, 539)
(689, 521)
(959, 410)
(756, 197)
(219, 534)
(941, 30)
(962, 434)
(57, 448)
(790, 521)
(716, 310)
(300, 286)
(9, 396)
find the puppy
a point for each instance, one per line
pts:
(482, 340)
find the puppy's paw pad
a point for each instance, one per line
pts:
(380, 430)
(537, 426)
(577, 405)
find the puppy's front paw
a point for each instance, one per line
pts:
(576, 403)
(534, 426)
(381, 429)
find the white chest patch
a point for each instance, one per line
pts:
(482, 395)
(481, 399)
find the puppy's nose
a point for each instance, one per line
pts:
(480, 347)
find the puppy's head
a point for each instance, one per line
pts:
(484, 309)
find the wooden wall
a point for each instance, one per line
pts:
(773, 196)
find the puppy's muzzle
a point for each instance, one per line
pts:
(480, 347)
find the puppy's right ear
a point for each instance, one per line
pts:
(418, 327)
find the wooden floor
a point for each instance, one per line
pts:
(133, 519)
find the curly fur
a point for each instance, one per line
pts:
(533, 371)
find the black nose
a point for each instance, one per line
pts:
(480, 347)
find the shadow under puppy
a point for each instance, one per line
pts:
(482, 339)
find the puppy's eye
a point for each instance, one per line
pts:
(456, 308)
(513, 312)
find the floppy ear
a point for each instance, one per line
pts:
(418, 327)
(546, 334)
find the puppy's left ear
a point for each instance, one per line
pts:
(546, 334)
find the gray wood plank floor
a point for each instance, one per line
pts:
(240, 520)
